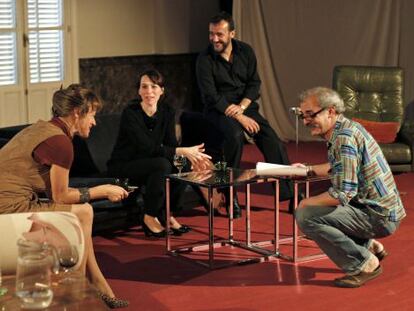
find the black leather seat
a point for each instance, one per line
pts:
(89, 169)
(376, 94)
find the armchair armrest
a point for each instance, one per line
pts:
(406, 135)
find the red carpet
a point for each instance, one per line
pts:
(139, 270)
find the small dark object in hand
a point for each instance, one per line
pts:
(122, 182)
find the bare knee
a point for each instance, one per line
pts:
(84, 212)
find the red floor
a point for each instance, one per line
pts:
(139, 270)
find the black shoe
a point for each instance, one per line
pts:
(237, 213)
(183, 229)
(149, 233)
(291, 208)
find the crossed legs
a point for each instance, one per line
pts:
(89, 265)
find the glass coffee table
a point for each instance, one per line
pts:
(214, 179)
(218, 179)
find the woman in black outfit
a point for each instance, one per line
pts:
(145, 150)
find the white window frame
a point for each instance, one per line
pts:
(26, 102)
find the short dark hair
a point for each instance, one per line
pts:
(223, 16)
(154, 75)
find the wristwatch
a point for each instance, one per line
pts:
(243, 108)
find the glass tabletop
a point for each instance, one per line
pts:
(231, 177)
(217, 178)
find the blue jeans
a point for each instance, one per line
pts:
(344, 233)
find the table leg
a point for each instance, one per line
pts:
(210, 229)
(277, 216)
(167, 208)
(295, 226)
(231, 214)
(248, 233)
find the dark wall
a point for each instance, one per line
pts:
(114, 79)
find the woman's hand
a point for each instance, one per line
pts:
(298, 165)
(195, 155)
(201, 175)
(112, 192)
(202, 166)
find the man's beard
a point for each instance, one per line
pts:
(224, 45)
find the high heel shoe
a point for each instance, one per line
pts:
(183, 229)
(113, 302)
(149, 233)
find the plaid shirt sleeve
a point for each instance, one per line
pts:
(345, 160)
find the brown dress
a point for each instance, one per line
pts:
(21, 177)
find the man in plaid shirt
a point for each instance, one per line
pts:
(363, 202)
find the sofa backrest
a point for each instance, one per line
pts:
(91, 154)
(102, 140)
(370, 92)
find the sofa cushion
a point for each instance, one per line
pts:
(102, 139)
(383, 132)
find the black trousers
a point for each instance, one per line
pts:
(151, 173)
(266, 140)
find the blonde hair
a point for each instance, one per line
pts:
(74, 96)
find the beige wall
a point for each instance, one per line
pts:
(140, 27)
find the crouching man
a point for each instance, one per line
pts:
(363, 202)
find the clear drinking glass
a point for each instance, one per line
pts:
(3, 290)
(33, 273)
(68, 257)
(179, 162)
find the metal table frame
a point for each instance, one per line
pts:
(256, 247)
(296, 237)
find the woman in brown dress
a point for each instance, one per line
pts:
(38, 159)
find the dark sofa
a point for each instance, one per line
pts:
(89, 169)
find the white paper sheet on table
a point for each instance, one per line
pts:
(271, 169)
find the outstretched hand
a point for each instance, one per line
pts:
(196, 156)
(115, 193)
(298, 165)
(202, 166)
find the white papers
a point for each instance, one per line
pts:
(270, 169)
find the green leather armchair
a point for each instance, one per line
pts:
(376, 94)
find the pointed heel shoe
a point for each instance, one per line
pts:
(183, 229)
(113, 302)
(149, 233)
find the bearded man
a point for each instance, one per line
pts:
(229, 85)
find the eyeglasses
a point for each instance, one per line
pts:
(311, 115)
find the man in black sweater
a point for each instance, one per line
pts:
(229, 85)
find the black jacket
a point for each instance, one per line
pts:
(223, 83)
(136, 141)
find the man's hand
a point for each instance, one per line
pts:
(233, 110)
(250, 125)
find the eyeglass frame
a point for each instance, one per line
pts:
(312, 115)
